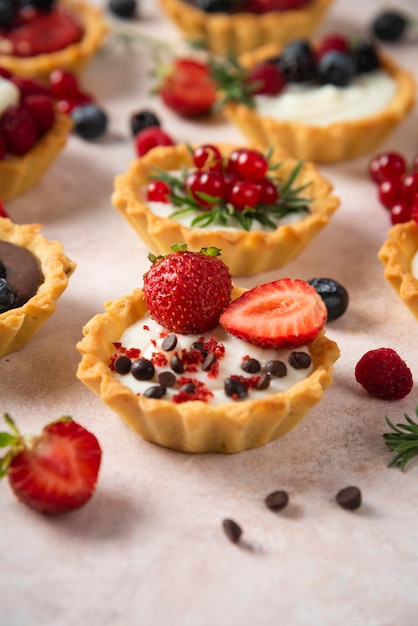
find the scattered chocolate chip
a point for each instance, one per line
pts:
(169, 343)
(156, 391)
(277, 369)
(122, 365)
(232, 530)
(209, 361)
(166, 379)
(300, 360)
(277, 500)
(176, 364)
(197, 345)
(188, 388)
(251, 366)
(235, 387)
(349, 498)
(264, 382)
(142, 369)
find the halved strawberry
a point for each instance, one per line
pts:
(55, 472)
(285, 313)
(188, 88)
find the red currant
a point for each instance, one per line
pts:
(267, 79)
(208, 157)
(391, 192)
(244, 194)
(151, 137)
(387, 166)
(268, 192)
(64, 85)
(251, 165)
(411, 186)
(400, 213)
(158, 191)
(201, 184)
(232, 161)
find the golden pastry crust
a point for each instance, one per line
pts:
(18, 174)
(240, 248)
(223, 33)
(19, 325)
(396, 254)
(324, 144)
(195, 426)
(73, 57)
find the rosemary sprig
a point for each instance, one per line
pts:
(403, 440)
(231, 80)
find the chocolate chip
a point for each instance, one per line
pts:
(166, 379)
(176, 364)
(169, 343)
(349, 498)
(209, 361)
(235, 387)
(122, 365)
(251, 366)
(232, 530)
(300, 360)
(277, 500)
(157, 391)
(142, 369)
(188, 388)
(277, 369)
(197, 345)
(264, 382)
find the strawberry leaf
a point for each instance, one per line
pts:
(6, 439)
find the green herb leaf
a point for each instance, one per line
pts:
(403, 440)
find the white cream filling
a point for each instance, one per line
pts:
(319, 106)
(142, 333)
(9, 94)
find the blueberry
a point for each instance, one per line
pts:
(123, 8)
(336, 68)
(43, 5)
(213, 6)
(297, 61)
(141, 120)
(90, 121)
(334, 295)
(3, 270)
(365, 56)
(7, 13)
(389, 25)
(7, 296)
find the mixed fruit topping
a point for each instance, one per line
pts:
(28, 29)
(239, 189)
(248, 6)
(20, 276)
(54, 472)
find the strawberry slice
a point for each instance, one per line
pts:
(188, 88)
(55, 472)
(285, 313)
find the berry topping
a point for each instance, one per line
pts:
(298, 61)
(150, 138)
(389, 25)
(187, 88)
(285, 313)
(266, 79)
(334, 295)
(387, 166)
(123, 8)
(332, 41)
(142, 119)
(41, 109)
(7, 296)
(383, 374)
(90, 121)
(55, 472)
(187, 291)
(19, 130)
(336, 68)
(365, 56)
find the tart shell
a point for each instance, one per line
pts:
(18, 174)
(324, 144)
(396, 254)
(73, 57)
(240, 248)
(195, 427)
(224, 33)
(19, 325)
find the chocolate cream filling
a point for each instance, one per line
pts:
(23, 272)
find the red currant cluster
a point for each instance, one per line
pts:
(240, 181)
(66, 90)
(397, 185)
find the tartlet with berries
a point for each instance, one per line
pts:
(260, 209)
(326, 101)
(241, 25)
(32, 133)
(34, 272)
(43, 35)
(192, 363)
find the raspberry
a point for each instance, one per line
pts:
(19, 130)
(41, 110)
(151, 137)
(384, 375)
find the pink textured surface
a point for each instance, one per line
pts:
(149, 548)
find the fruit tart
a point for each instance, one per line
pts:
(43, 35)
(192, 363)
(33, 274)
(399, 254)
(32, 133)
(260, 209)
(236, 26)
(327, 101)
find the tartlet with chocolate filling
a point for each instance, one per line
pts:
(34, 272)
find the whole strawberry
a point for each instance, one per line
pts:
(188, 88)
(56, 471)
(187, 291)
